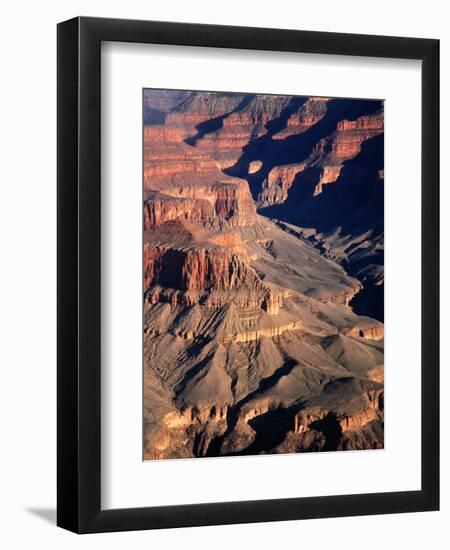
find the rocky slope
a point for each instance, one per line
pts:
(327, 180)
(251, 341)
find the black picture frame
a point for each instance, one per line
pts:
(79, 280)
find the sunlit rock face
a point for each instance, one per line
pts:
(309, 113)
(262, 273)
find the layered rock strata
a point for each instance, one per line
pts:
(250, 341)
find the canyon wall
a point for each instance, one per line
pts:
(250, 269)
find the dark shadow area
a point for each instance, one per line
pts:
(270, 381)
(355, 205)
(354, 201)
(331, 429)
(280, 419)
(298, 147)
(171, 269)
(271, 429)
(46, 514)
(277, 124)
(369, 301)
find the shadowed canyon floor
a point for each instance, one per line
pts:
(263, 274)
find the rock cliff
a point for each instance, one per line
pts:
(251, 340)
(309, 113)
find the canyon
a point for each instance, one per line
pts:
(263, 274)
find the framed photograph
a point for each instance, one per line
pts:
(242, 214)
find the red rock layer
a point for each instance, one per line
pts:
(230, 303)
(197, 269)
(159, 208)
(207, 201)
(344, 144)
(158, 134)
(183, 171)
(329, 154)
(247, 122)
(313, 110)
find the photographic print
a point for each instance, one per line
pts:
(263, 271)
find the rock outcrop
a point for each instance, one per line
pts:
(160, 208)
(310, 113)
(196, 268)
(201, 107)
(344, 144)
(276, 186)
(251, 343)
(329, 155)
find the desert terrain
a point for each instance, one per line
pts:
(263, 274)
